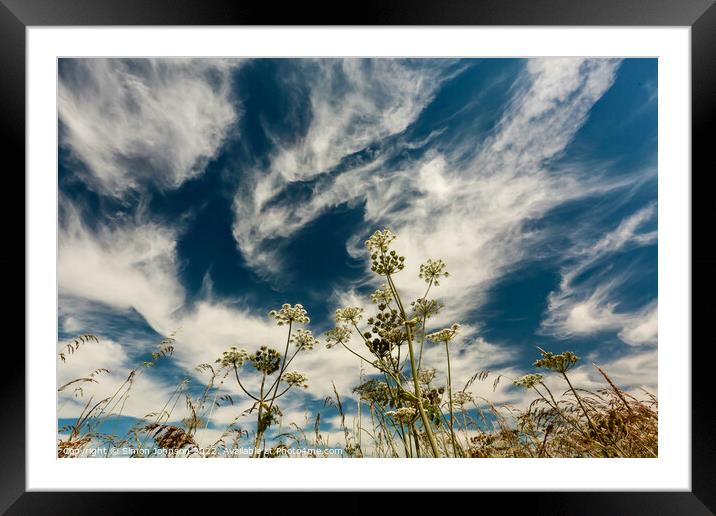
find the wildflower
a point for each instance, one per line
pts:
(445, 335)
(462, 398)
(560, 363)
(384, 261)
(431, 271)
(233, 357)
(380, 241)
(351, 314)
(295, 378)
(337, 335)
(427, 375)
(304, 339)
(266, 360)
(528, 381)
(382, 295)
(287, 314)
(374, 391)
(403, 414)
(426, 308)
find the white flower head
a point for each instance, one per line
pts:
(403, 414)
(337, 335)
(233, 357)
(380, 241)
(528, 381)
(445, 335)
(351, 314)
(304, 339)
(294, 378)
(290, 314)
(432, 271)
(382, 295)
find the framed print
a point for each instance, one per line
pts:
(444, 250)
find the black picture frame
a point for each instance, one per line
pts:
(700, 15)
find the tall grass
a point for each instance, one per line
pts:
(408, 413)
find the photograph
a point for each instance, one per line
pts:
(357, 257)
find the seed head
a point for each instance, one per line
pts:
(266, 360)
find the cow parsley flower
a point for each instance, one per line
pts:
(294, 378)
(380, 241)
(560, 363)
(427, 375)
(445, 335)
(382, 295)
(403, 414)
(432, 271)
(528, 381)
(266, 360)
(426, 308)
(287, 314)
(462, 398)
(337, 335)
(304, 339)
(233, 357)
(351, 314)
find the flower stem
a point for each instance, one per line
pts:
(449, 388)
(414, 371)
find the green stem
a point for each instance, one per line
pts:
(449, 388)
(416, 383)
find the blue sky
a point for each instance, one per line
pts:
(195, 195)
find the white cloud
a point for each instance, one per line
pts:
(353, 103)
(128, 266)
(144, 120)
(147, 394)
(586, 307)
(470, 214)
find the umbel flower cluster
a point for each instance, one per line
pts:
(528, 381)
(266, 360)
(383, 295)
(233, 357)
(350, 315)
(304, 339)
(338, 335)
(383, 260)
(560, 363)
(431, 271)
(403, 414)
(390, 344)
(294, 378)
(290, 314)
(445, 335)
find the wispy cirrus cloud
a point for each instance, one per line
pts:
(150, 121)
(472, 212)
(353, 103)
(589, 306)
